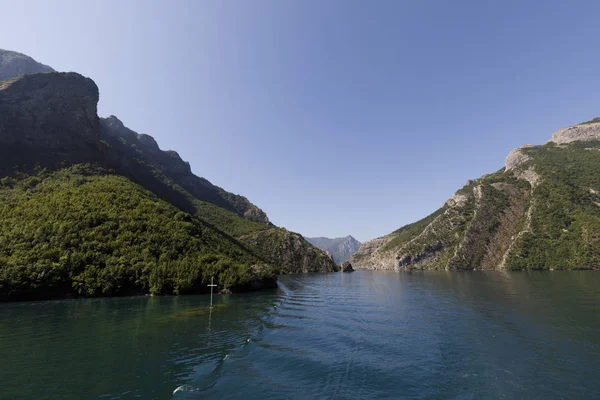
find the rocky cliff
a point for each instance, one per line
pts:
(541, 211)
(46, 117)
(587, 131)
(341, 249)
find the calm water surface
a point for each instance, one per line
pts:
(370, 335)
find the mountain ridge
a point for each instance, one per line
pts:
(540, 211)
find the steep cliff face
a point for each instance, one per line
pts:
(341, 249)
(541, 211)
(49, 117)
(587, 131)
(13, 64)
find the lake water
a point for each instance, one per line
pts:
(369, 335)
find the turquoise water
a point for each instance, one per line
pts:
(371, 335)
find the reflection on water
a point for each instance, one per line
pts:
(361, 335)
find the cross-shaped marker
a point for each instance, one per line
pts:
(212, 285)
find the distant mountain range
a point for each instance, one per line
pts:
(88, 207)
(341, 249)
(13, 64)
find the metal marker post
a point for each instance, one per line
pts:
(211, 290)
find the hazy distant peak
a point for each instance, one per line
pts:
(341, 248)
(13, 64)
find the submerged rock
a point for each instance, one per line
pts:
(346, 267)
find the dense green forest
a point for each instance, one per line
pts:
(87, 232)
(565, 223)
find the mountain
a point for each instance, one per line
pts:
(341, 249)
(89, 207)
(541, 211)
(13, 64)
(144, 148)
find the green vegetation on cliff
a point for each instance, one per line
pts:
(408, 232)
(565, 224)
(86, 232)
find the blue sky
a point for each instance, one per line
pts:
(335, 117)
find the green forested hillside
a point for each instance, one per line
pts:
(87, 232)
(565, 224)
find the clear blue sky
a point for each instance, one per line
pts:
(335, 117)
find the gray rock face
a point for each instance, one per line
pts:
(341, 249)
(13, 64)
(582, 132)
(516, 157)
(457, 200)
(54, 111)
(370, 256)
(346, 267)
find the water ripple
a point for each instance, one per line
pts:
(372, 335)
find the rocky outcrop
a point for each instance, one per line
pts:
(346, 267)
(516, 157)
(341, 249)
(582, 133)
(50, 118)
(289, 249)
(514, 164)
(457, 200)
(528, 175)
(371, 256)
(13, 64)
(49, 111)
